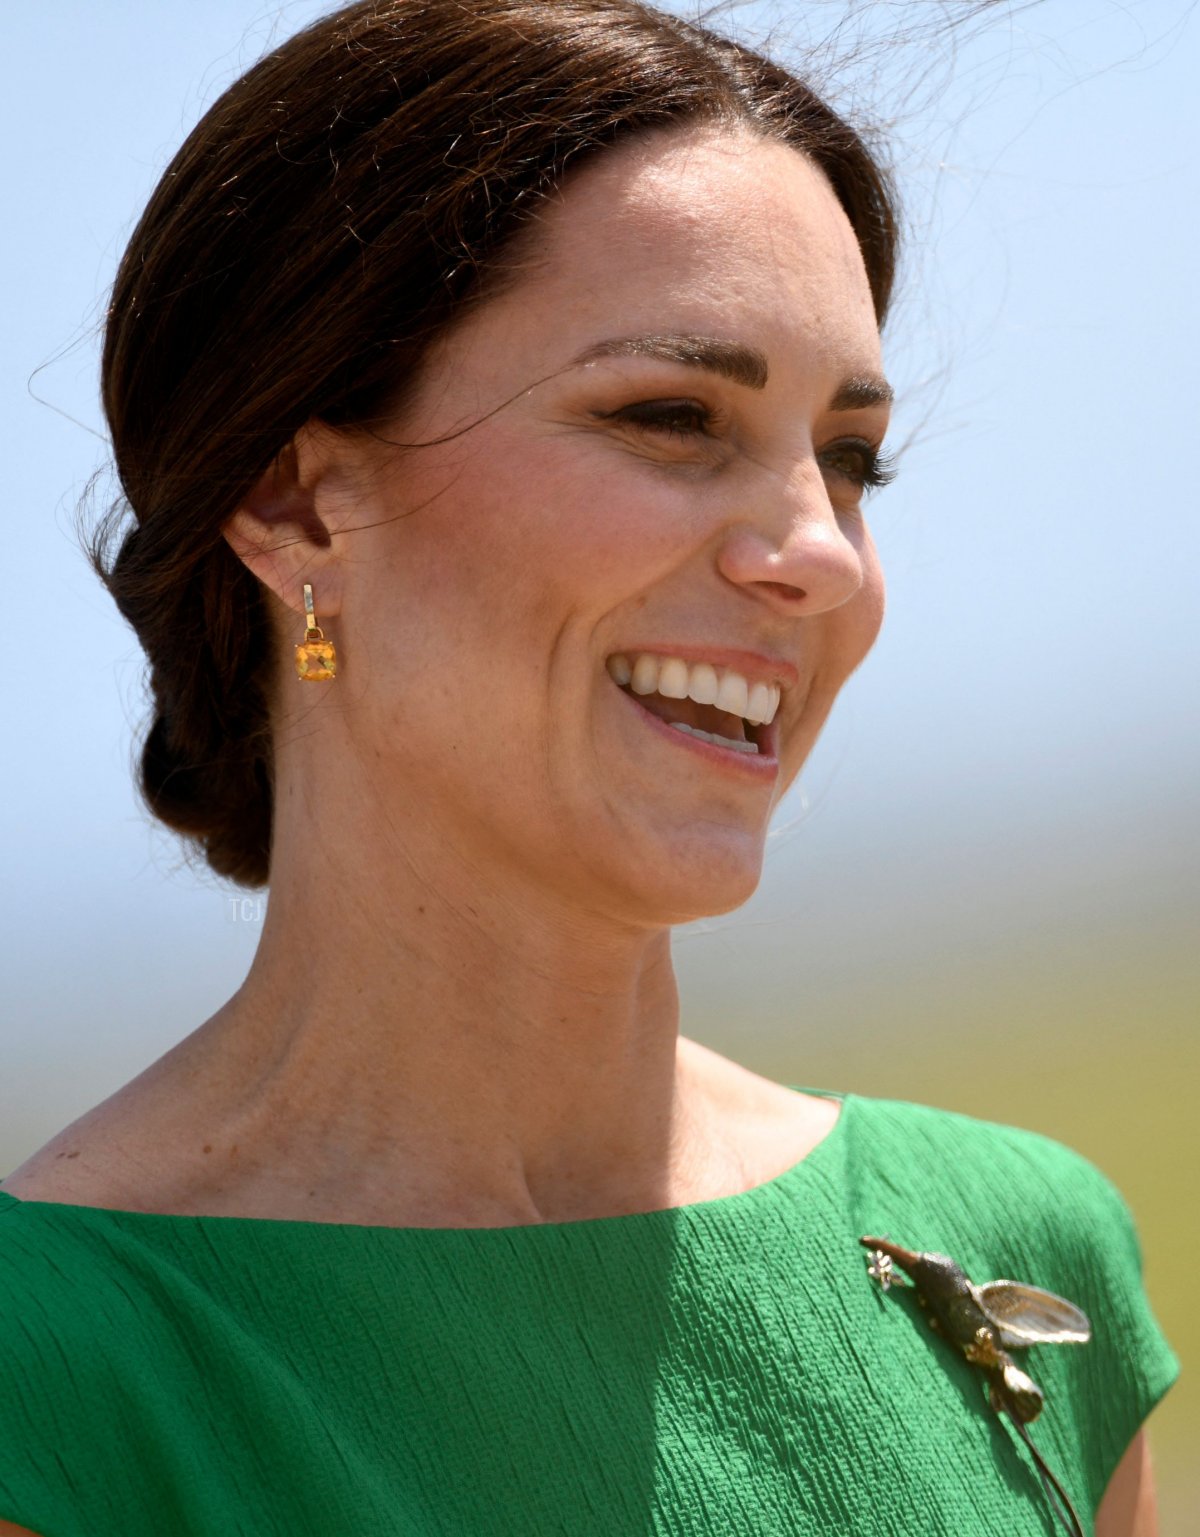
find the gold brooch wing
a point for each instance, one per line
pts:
(1027, 1315)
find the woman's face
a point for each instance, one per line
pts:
(671, 414)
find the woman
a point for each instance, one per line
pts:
(511, 372)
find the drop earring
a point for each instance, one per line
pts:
(316, 660)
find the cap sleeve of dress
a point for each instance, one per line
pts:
(1128, 1365)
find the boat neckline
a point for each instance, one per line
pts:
(831, 1140)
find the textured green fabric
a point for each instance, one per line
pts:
(726, 1367)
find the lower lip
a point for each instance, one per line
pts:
(762, 765)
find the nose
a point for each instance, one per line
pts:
(795, 551)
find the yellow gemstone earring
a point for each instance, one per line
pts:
(316, 659)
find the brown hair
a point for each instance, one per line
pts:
(319, 227)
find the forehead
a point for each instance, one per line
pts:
(702, 230)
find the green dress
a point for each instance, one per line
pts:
(726, 1368)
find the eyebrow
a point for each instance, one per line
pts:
(861, 391)
(735, 361)
(732, 360)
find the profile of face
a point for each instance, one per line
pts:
(671, 414)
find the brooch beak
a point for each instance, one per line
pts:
(985, 1323)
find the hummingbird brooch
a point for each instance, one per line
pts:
(985, 1323)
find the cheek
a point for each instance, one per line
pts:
(849, 632)
(856, 624)
(489, 568)
(871, 601)
(552, 525)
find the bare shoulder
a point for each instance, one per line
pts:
(772, 1122)
(67, 1169)
(141, 1149)
(7, 1529)
(100, 1159)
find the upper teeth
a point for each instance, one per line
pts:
(676, 679)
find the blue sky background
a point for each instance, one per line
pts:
(984, 891)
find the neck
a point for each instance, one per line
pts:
(470, 1050)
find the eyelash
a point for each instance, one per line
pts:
(663, 417)
(878, 469)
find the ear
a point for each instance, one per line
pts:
(286, 528)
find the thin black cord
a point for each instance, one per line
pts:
(1059, 1500)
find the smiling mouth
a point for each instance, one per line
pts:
(731, 715)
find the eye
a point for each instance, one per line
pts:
(670, 418)
(859, 462)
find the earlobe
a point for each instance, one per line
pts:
(278, 533)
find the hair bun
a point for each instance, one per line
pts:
(220, 803)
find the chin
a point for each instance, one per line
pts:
(709, 873)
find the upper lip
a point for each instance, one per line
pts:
(754, 666)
